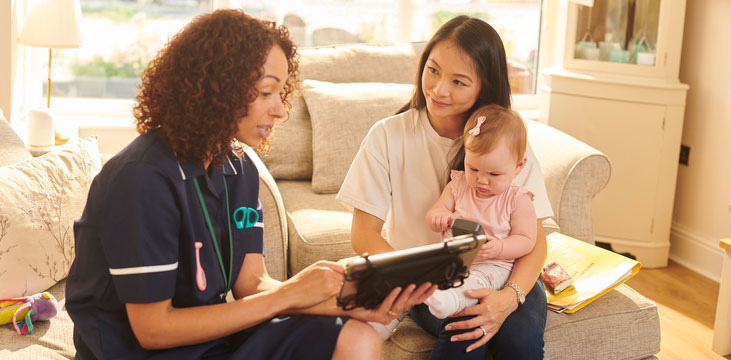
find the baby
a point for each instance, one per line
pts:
(494, 141)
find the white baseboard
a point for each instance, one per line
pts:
(696, 252)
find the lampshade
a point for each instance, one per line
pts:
(52, 24)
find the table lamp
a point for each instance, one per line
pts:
(51, 24)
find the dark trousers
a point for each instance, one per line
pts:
(520, 336)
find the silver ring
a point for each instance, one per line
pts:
(484, 333)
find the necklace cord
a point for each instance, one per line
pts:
(226, 278)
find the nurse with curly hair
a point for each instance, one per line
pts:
(173, 224)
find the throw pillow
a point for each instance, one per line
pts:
(341, 116)
(291, 141)
(39, 200)
(291, 145)
(12, 148)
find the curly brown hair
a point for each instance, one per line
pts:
(200, 84)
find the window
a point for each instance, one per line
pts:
(121, 36)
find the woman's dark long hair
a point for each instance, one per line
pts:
(483, 44)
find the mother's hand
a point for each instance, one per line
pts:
(490, 313)
(396, 302)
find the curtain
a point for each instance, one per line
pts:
(26, 73)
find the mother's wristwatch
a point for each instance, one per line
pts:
(518, 291)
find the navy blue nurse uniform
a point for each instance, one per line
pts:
(135, 243)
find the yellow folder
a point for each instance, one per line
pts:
(595, 271)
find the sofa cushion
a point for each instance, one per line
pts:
(360, 63)
(622, 315)
(341, 116)
(291, 144)
(12, 148)
(52, 339)
(319, 227)
(344, 64)
(41, 197)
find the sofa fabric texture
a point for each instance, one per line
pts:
(341, 115)
(340, 64)
(620, 325)
(561, 156)
(361, 63)
(291, 158)
(13, 148)
(318, 226)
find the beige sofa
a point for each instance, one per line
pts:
(313, 149)
(347, 88)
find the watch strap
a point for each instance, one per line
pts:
(518, 292)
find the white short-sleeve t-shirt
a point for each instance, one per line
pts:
(400, 170)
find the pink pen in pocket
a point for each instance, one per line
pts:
(200, 275)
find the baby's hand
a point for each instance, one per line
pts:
(490, 250)
(441, 222)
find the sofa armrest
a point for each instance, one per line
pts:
(574, 173)
(275, 221)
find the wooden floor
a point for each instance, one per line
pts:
(686, 302)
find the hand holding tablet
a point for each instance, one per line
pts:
(369, 279)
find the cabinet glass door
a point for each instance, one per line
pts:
(618, 31)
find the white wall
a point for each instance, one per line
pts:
(703, 193)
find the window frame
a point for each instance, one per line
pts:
(105, 113)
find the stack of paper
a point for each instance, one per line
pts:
(595, 271)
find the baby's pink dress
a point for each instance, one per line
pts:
(492, 213)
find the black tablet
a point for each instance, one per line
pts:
(369, 279)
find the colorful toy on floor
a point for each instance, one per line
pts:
(41, 306)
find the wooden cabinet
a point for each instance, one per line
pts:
(722, 325)
(632, 113)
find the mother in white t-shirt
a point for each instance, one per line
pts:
(402, 166)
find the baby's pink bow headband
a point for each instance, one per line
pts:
(476, 130)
